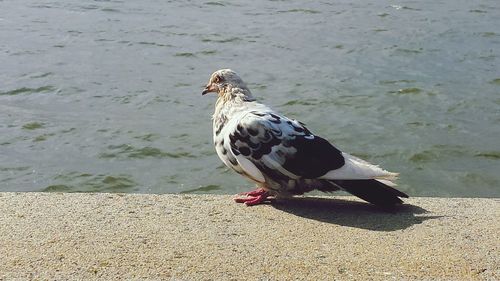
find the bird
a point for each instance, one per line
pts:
(282, 156)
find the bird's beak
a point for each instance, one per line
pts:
(209, 89)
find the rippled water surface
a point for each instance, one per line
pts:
(105, 95)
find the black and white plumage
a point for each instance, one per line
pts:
(281, 155)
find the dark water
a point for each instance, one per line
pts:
(105, 95)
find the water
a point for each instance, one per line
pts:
(105, 95)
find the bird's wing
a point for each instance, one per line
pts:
(265, 142)
(268, 143)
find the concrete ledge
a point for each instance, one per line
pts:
(188, 237)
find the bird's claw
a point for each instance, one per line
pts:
(254, 197)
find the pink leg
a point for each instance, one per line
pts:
(254, 197)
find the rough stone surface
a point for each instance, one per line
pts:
(202, 237)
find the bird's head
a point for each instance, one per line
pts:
(225, 81)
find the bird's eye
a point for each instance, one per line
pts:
(217, 79)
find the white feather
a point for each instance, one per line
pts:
(250, 169)
(356, 168)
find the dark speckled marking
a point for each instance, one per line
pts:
(265, 148)
(276, 120)
(267, 137)
(252, 132)
(239, 137)
(277, 133)
(220, 125)
(287, 143)
(233, 161)
(235, 151)
(232, 139)
(258, 114)
(298, 129)
(245, 151)
(253, 145)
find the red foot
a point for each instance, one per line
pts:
(255, 197)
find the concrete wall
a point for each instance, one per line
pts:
(193, 237)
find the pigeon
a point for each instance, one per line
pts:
(282, 156)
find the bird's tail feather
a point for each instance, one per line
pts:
(373, 191)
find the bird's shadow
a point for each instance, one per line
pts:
(353, 213)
